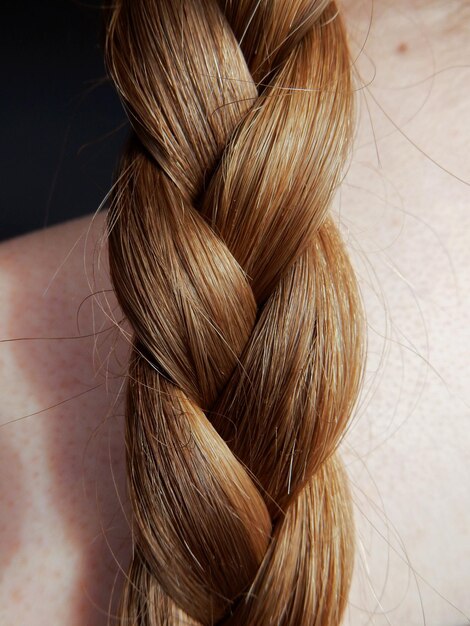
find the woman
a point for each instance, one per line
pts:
(66, 542)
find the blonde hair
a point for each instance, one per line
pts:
(248, 350)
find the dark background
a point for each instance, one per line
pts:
(62, 124)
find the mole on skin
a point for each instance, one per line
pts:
(402, 48)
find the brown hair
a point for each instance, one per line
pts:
(247, 353)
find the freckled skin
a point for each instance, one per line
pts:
(408, 450)
(56, 483)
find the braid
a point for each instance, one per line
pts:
(247, 351)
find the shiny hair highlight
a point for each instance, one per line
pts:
(247, 353)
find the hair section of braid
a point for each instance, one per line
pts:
(247, 350)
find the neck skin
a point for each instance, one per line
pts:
(404, 206)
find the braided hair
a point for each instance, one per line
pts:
(247, 351)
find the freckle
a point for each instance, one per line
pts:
(402, 48)
(16, 596)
